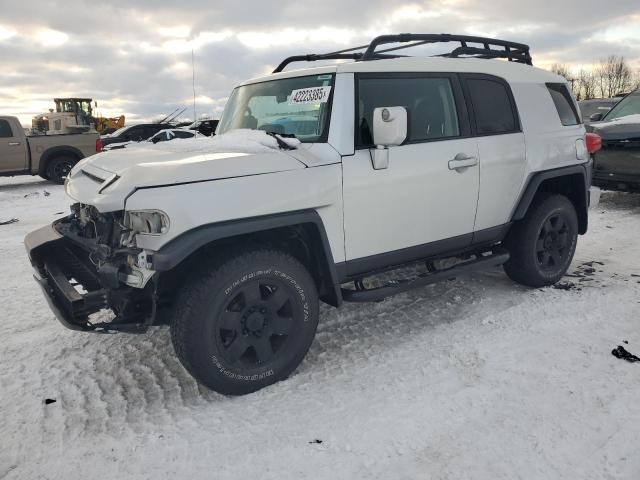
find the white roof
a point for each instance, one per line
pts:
(513, 72)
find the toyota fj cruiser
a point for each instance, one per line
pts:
(367, 166)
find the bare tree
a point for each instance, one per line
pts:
(564, 71)
(586, 85)
(613, 76)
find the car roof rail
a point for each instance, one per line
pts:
(481, 47)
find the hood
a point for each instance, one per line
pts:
(106, 179)
(621, 128)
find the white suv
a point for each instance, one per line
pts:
(319, 178)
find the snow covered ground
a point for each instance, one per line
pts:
(476, 378)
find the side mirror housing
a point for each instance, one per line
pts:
(389, 126)
(596, 117)
(389, 129)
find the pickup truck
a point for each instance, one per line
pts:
(50, 156)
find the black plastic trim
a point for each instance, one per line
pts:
(178, 249)
(388, 260)
(536, 179)
(373, 294)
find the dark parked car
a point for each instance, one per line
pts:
(162, 136)
(617, 165)
(205, 127)
(596, 105)
(134, 133)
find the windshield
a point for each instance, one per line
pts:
(299, 106)
(119, 131)
(589, 107)
(629, 105)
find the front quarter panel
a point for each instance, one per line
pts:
(196, 204)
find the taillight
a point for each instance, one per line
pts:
(593, 141)
(99, 145)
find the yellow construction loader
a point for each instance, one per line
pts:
(74, 115)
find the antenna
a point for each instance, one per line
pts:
(174, 111)
(176, 115)
(193, 85)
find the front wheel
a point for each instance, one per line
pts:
(543, 243)
(246, 322)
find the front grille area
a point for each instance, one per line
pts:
(86, 222)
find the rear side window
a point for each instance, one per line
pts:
(5, 129)
(492, 106)
(564, 103)
(430, 104)
(183, 134)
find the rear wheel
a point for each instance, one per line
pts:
(246, 322)
(543, 243)
(58, 169)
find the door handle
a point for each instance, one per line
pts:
(462, 161)
(14, 144)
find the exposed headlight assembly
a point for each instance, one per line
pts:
(147, 222)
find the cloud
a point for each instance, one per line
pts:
(135, 57)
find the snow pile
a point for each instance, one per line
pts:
(241, 141)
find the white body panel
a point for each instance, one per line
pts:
(418, 199)
(502, 171)
(217, 201)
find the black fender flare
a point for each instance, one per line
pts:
(581, 200)
(181, 247)
(58, 151)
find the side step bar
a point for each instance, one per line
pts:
(498, 257)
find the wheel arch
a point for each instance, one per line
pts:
(299, 233)
(573, 182)
(52, 153)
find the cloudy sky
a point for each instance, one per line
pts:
(134, 57)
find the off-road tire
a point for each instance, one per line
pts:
(219, 306)
(541, 245)
(58, 169)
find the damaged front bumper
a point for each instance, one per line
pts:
(75, 288)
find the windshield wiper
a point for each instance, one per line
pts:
(279, 138)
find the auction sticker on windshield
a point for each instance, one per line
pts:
(309, 95)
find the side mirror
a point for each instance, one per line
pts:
(596, 117)
(389, 129)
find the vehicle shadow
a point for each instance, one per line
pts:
(619, 201)
(5, 187)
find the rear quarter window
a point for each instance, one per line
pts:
(493, 107)
(564, 104)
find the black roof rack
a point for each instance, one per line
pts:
(482, 47)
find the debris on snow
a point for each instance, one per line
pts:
(317, 440)
(49, 401)
(566, 286)
(623, 354)
(10, 221)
